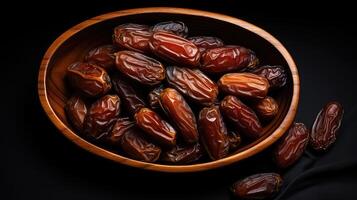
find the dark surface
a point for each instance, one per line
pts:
(37, 162)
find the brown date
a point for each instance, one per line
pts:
(154, 97)
(213, 132)
(88, 79)
(139, 67)
(180, 113)
(155, 127)
(258, 186)
(225, 59)
(121, 126)
(177, 27)
(135, 37)
(276, 75)
(246, 85)
(139, 148)
(183, 155)
(326, 126)
(175, 49)
(102, 56)
(266, 108)
(234, 140)
(206, 42)
(242, 116)
(291, 146)
(76, 111)
(101, 116)
(130, 98)
(192, 83)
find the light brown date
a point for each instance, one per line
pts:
(88, 79)
(155, 127)
(139, 67)
(121, 126)
(326, 126)
(206, 42)
(291, 146)
(192, 83)
(175, 49)
(180, 113)
(266, 108)
(246, 85)
(102, 56)
(177, 27)
(154, 97)
(76, 111)
(101, 116)
(258, 186)
(134, 37)
(213, 132)
(242, 117)
(225, 59)
(276, 75)
(183, 155)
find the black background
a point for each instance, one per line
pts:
(37, 162)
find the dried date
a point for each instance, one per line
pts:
(206, 42)
(88, 79)
(192, 83)
(242, 117)
(225, 59)
(177, 27)
(154, 97)
(291, 146)
(276, 75)
(180, 113)
(76, 111)
(326, 126)
(102, 56)
(155, 127)
(175, 49)
(266, 108)
(213, 132)
(121, 126)
(134, 37)
(183, 155)
(234, 140)
(258, 186)
(139, 67)
(246, 85)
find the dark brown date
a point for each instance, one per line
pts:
(88, 79)
(102, 56)
(276, 75)
(192, 83)
(258, 186)
(121, 126)
(266, 108)
(155, 127)
(154, 97)
(135, 37)
(326, 126)
(213, 132)
(291, 146)
(225, 59)
(139, 148)
(242, 116)
(180, 113)
(76, 111)
(206, 42)
(130, 98)
(234, 140)
(139, 67)
(101, 116)
(175, 49)
(246, 85)
(183, 155)
(176, 27)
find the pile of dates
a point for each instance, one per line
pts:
(157, 95)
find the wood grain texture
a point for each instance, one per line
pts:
(72, 45)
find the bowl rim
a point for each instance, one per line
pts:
(278, 132)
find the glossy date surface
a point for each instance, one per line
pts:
(76, 110)
(243, 117)
(183, 154)
(192, 83)
(140, 67)
(326, 126)
(177, 27)
(266, 108)
(134, 37)
(275, 74)
(234, 140)
(246, 85)
(121, 126)
(88, 79)
(175, 49)
(154, 97)
(206, 42)
(102, 56)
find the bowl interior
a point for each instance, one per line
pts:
(76, 46)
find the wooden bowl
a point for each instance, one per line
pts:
(72, 45)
